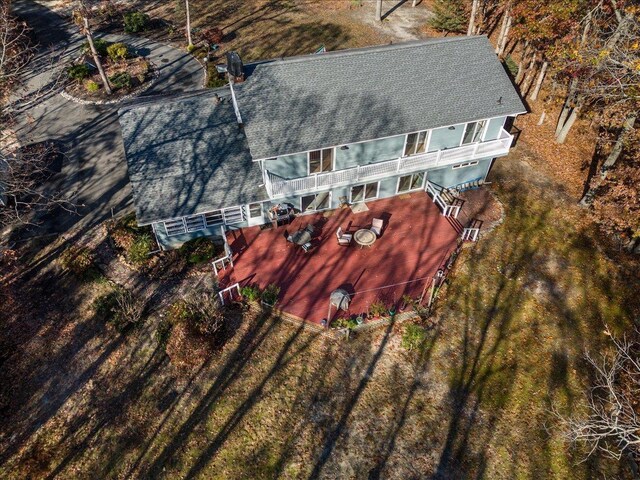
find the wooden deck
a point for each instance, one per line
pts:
(415, 242)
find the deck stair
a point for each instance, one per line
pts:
(445, 200)
(471, 232)
(470, 185)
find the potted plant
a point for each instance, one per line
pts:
(270, 294)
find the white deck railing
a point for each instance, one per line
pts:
(280, 187)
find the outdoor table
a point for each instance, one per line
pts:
(364, 237)
(300, 237)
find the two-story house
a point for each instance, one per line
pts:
(316, 131)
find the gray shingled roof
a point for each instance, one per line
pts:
(188, 156)
(304, 103)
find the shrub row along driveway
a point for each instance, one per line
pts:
(94, 171)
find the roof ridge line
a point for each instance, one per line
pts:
(363, 50)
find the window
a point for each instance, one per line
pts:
(321, 161)
(473, 132)
(462, 165)
(416, 143)
(233, 215)
(255, 210)
(174, 227)
(214, 218)
(410, 182)
(194, 223)
(360, 193)
(320, 201)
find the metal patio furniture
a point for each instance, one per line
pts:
(376, 226)
(365, 237)
(343, 238)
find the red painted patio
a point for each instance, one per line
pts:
(415, 242)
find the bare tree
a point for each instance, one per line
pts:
(612, 158)
(15, 51)
(612, 426)
(22, 170)
(82, 16)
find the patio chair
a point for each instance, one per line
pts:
(307, 246)
(343, 238)
(376, 226)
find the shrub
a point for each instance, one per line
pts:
(512, 66)
(198, 327)
(121, 80)
(163, 333)
(377, 309)
(251, 293)
(199, 250)
(341, 322)
(91, 86)
(191, 48)
(134, 241)
(78, 72)
(77, 259)
(117, 51)
(120, 308)
(140, 249)
(215, 80)
(135, 22)
(413, 337)
(100, 44)
(212, 35)
(270, 294)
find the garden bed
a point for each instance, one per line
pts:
(128, 72)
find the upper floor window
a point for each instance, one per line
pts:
(321, 161)
(416, 143)
(473, 132)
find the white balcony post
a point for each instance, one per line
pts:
(475, 150)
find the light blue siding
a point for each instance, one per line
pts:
(289, 166)
(493, 129)
(450, 177)
(369, 152)
(446, 137)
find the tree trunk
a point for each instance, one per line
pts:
(543, 71)
(571, 119)
(414, 3)
(96, 57)
(542, 117)
(522, 63)
(566, 108)
(611, 160)
(379, 10)
(528, 81)
(503, 27)
(188, 24)
(505, 37)
(474, 9)
(527, 75)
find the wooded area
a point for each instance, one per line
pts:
(585, 58)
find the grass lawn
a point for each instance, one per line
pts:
(282, 401)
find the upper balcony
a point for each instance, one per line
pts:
(278, 187)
